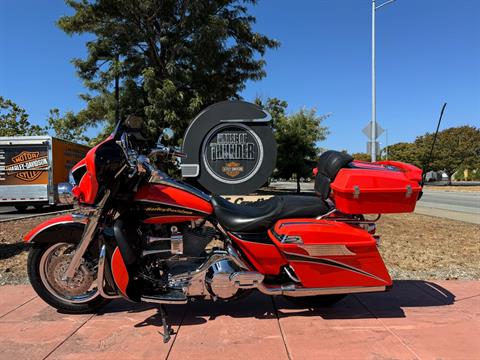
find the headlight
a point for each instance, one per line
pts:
(65, 195)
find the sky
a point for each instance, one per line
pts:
(428, 52)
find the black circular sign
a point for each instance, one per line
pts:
(230, 148)
(232, 153)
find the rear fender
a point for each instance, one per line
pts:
(59, 229)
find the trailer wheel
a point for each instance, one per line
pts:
(21, 208)
(38, 207)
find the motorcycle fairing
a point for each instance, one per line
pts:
(158, 200)
(58, 229)
(119, 272)
(330, 254)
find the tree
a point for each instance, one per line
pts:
(66, 127)
(14, 120)
(456, 147)
(173, 57)
(296, 136)
(405, 152)
(362, 157)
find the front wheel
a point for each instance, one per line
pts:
(47, 265)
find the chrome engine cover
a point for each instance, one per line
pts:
(218, 281)
(221, 276)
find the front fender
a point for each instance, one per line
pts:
(59, 229)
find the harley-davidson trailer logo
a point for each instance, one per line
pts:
(232, 153)
(27, 166)
(232, 169)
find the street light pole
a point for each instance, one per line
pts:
(373, 134)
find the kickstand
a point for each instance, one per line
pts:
(167, 329)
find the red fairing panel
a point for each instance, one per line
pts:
(265, 258)
(119, 271)
(46, 224)
(330, 254)
(170, 195)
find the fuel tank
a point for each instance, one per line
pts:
(165, 200)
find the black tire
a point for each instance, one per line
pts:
(317, 301)
(21, 208)
(38, 207)
(33, 267)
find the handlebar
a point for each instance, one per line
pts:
(134, 160)
(167, 151)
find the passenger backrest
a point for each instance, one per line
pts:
(329, 164)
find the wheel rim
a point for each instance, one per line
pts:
(81, 289)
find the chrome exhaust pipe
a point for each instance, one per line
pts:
(296, 291)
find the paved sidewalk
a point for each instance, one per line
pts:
(417, 319)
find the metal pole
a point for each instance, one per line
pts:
(117, 91)
(373, 135)
(386, 141)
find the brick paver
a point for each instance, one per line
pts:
(417, 319)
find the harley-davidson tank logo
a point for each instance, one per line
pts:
(168, 210)
(232, 169)
(27, 166)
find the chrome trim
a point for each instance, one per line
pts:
(326, 250)
(267, 118)
(291, 273)
(295, 291)
(190, 170)
(87, 237)
(64, 192)
(304, 223)
(158, 301)
(326, 214)
(101, 275)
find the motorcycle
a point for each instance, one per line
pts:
(141, 235)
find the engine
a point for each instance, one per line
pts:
(182, 258)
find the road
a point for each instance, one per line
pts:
(9, 212)
(464, 206)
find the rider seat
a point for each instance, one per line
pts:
(260, 216)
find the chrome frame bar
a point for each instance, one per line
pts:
(101, 275)
(87, 237)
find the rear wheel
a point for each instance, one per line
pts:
(47, 264)
(21, 208)
(317, 301)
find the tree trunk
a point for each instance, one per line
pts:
(449, 179)
(298, 183)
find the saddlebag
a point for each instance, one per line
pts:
(327, 253)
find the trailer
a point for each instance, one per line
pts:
(31, 167)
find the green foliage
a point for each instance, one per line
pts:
(362, 157)
(174, 57)
(405, 152)
(276, 108)
(66, 127)
(14, 120)
(456, 148)
(297, 136)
